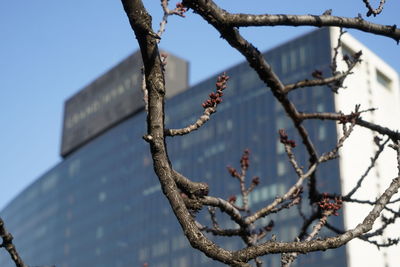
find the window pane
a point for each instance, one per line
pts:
(383, 80)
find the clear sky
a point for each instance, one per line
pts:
(50, 49)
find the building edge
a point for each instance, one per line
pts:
(365, 87)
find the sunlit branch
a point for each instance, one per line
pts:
(371, 10)
(7, 243)
(268, 209)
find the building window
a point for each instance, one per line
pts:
(281, 189)
(282, 122)
(320, 107)
(67, 232)
(273, 190)
(322, 133)
(293, 233)
(275, 260)
(293, 59)
(284, 63)
(318, 91)
(383, 80)
(41, 232)
(222, 128)
(32, 194)
(146, 161)
(328, 254)
(178, 164)
(102, 196)
(69, 214)
(284, 233)
(264, 193)
(66, 249)
(143, 254)
(214, 150)
(239, 200)
(248, 78)
(99, 232)
(49, 182)
(74, 168)
(281, 168)
(183, 261)
(160, 248)
(179, 242)
(229, 124)
(255, 197)
(280, 148)
(303, 58)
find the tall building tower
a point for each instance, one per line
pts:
(374, 84)
(102, 204)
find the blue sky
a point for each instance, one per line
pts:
(50, 49)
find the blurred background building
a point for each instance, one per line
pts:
(102, 204)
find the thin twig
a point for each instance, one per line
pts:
(381, 147)
(9, 246)
(371, 10)
(288, 258)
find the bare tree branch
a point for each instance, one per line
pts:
(185, 196)
(392, 134)
(256, 61)
(288, 258)
(9, 246)
(371, 10)
(266, 210)
(381, 147)
(210, 107)
(245, 20)
(140, 22)
(327, 243)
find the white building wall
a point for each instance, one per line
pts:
(363, 88)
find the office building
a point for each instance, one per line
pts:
(102, 205)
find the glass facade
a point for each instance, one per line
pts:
(102, 205)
